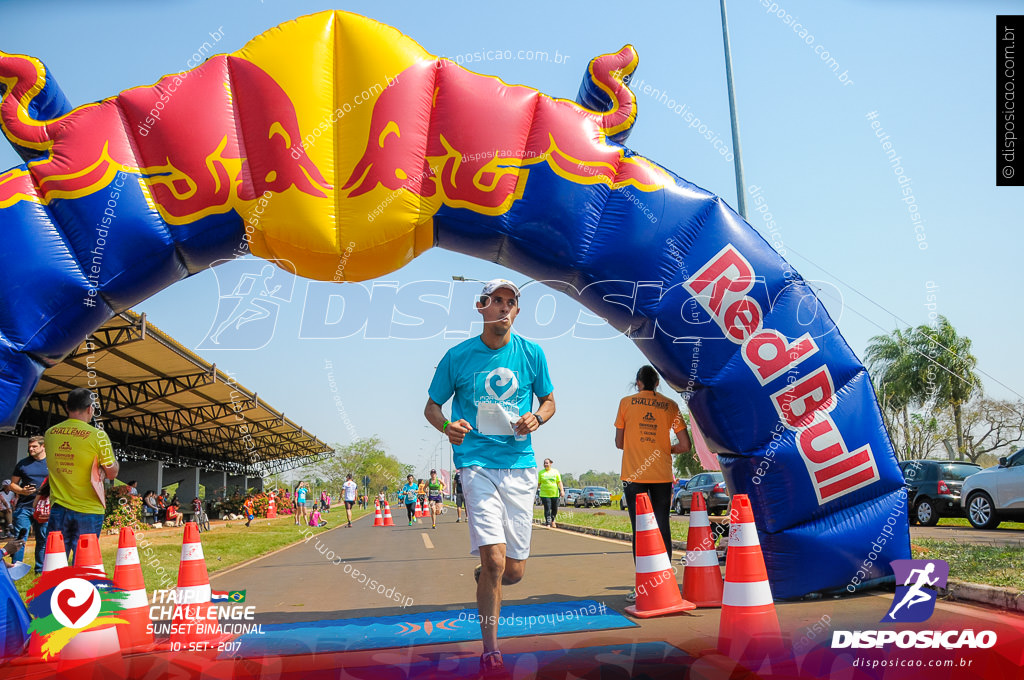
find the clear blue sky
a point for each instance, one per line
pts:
(926, 68)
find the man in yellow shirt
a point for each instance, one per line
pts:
(80, 455)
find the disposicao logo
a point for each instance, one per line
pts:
(917, 583)
(915, 599)
(69, 601)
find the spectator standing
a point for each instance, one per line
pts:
(7, 507)
(642, 432)
(29, 474)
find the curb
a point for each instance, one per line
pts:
(1004, 598)
(958, 591)
(606, 533)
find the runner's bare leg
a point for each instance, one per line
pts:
(496, 570)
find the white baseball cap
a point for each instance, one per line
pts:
(495, 284)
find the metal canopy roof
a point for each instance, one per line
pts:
(160, 401)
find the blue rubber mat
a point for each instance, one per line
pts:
(428, 628)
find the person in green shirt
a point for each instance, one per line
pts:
(550, 489)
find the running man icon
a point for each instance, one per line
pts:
(920, 579)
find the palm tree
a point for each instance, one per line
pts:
(896, 370)
(950, 379)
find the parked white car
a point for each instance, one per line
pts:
(996, 494)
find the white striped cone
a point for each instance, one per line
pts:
(137, 633)
(388, 520)
(95, 642)
(749, 627)
(657, 592)
(702, 577)
(191, 622)
(56, 556)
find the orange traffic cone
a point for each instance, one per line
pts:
(378, 519)
(702, 577)
(137, 633)
(388, 521)
(271, 508)
(418, 512)
(191, 621)
(95, 642)
(657, 592)
(749, 627)
(56, 558)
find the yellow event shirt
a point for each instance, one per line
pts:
(74, 451)
(646, 418)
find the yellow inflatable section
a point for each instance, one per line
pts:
(334, 66)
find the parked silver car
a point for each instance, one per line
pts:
(593, 496)
(996, 494)
(570, 496)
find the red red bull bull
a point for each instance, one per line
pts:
(198, 144)
(478, 145)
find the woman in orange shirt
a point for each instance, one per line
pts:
(642, 432)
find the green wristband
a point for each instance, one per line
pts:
(445, 426)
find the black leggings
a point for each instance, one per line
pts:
(411, 509)
(550, 508)
(661, 501)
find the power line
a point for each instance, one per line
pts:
(901, 320)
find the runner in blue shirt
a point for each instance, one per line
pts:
(494, 379)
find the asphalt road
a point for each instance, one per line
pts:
(432, 572)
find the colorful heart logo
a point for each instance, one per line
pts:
(73, 612)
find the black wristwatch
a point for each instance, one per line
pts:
(539, 417)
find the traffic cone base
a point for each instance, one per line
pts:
(749, 626)
(137, 634)
(702, 577)
(657, 592)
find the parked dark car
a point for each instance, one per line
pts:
(593, 496)
(712, 485)
(570, 496)
(933, 488)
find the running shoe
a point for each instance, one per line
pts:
(457, 521)
(631, 597)
(410, 522)
(492, 665)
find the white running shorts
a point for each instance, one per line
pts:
(499, 506)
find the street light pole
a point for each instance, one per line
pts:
(741, 201)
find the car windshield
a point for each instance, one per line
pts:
(597, 488)
(957, 472)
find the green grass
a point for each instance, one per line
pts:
(962, 522)
(994, 566)
(607, 522)
(227, 544)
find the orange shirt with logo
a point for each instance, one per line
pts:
(646, 418)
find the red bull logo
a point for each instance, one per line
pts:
(220, 133)
(478, 145)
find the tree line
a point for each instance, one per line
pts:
(932, 399)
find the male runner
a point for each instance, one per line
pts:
(350, 489)
(494, 378)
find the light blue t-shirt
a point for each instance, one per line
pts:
(302, 495)
(510, 377)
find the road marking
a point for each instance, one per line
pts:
(426, 542)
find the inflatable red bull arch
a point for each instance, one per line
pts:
(334, 136)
